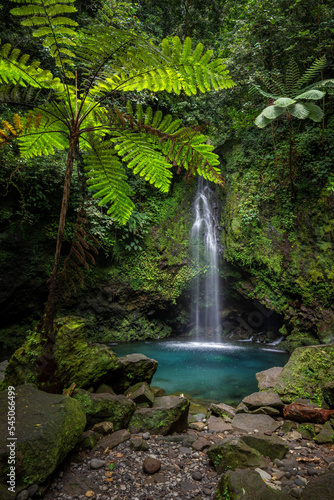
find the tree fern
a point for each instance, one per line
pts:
(48, 19)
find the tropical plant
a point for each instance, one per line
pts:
(76, 111)
(293, 98)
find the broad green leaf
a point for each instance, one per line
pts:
(272, 112)
(315, 113)
(298, 110)
(284, 102)
(261, 121)
(311, 94)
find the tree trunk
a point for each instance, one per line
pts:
(46, 324)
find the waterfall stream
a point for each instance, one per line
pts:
(206, 298)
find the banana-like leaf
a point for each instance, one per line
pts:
(314, 95)
(284, 102)
(298, 110)
(272, 112)
(315, 113)
(261, 121)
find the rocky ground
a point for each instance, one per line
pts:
(119, 467)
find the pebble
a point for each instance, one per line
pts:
(151, 465)
(95, 463)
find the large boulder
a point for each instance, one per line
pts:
(267, 378)
(132, 369)
(321, 488)
(73, 359)
(140, 393)
(269, 446)
(106, 408)
(233, 453)
(168, 414)
(250, 423)
(47, 428)
(246, 485)
(306, 373)
(261, 399)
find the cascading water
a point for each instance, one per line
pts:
(206, 297)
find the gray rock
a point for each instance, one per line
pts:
(132, 369)
(263, 399)
(269, 446)
(105, 389)
(216, 424)
(169, 414)
(47, 422)
(320, 488)
(197, 476)
(106, 407)
(232, 453)
(23, 495)
(247, 485)
(221, 410)
(268, 378)
(325, 435)
(138, 444)
(114, 439)
(32, 490)
(248, 423)
(266, 410)
(151, 465)
(140, 393)
(95, 463)
(103, 428)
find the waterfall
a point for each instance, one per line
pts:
(205, 300)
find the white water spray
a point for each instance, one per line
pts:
(206, 305)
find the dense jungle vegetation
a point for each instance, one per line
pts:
(276, 192)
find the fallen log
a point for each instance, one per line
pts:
(305, 413)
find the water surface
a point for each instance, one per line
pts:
(210, 371)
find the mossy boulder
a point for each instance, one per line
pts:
(140, 393)
(106, 407)
(169, 414)
(246, 485)
(306, 373)
(74, 359)
(234, 453)
(269, 446)
(132, 369)
(47, 428)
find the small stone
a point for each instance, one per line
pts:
(151, 465)
(32, 490)
(185, 451)
(331, 466)
(278, 462)
(103, 428)
(138, 444)
(185, 486)
(90, 494)
(146, 436)
(207, 491)
(95, 463)
(300, 481)
(200, 444)
(23, 495)
(197, 476)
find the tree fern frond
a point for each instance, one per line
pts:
(9, 132)
(44, 132)
(292, 78)
(106, 176)
(255, 87)
(173, 68)
(47, 16)
(312, 72)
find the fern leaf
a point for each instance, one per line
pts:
(292, 78)
(106, 177)
(312, 72)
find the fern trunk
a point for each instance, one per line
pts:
(50, 308)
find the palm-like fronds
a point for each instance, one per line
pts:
(49, 18)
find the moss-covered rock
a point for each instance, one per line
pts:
(246, 485)
(74, 359)
(132, 369)
(140, 393)
(106, 407)
(306, 374)
(269, 446)
(234, 453)
(48, 427)
(169, 414)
